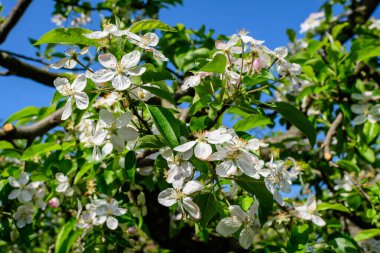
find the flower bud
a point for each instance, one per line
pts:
(54, 202)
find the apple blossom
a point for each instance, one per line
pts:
(71, 61)
(63, 185)
(308, 211)
(23, 215)
(22, 193)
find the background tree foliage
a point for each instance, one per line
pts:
(339, 58)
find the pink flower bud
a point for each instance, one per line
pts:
(132, 230)
(256, 65)
(54, 202)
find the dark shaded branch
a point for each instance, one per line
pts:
(330, 133)
(22, 69)
(25, 57)
(13, 18)
(10, 132)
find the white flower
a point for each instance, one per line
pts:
(375, 24)
(23, 215)
(238, 219)
(63, 185)
(366, 112)
(105, 212)
(58, 19)
(23, 193)
(148, 41)
(230, 45)
(175, 195)
(179, 167)
(237, 161)
(118, 72)
(243, 34)
(202, 147)
(279, 179)
(108, 29)
(38, 191)
(116, 128)
(312, 22)
(194, 80)
(344, 183)
(73, 90)
(108, 99)
(139, 93)
(308, 211)
(70, 61)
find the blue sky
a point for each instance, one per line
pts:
(266, 20)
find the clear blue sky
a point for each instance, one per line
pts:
(266, 20)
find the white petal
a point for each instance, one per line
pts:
(228, 226)
(191, 208)
(150, 39)
(83, 51)
(14, 194)
(79, 83)
(131, 59)
(108, 60)
(318, 220)
(106, 117)
(62, 187)
(21, 223)
(25, 196)
(226, 168)
(62, 85)
(278, 198)
(359, 108)
(112, 223)
(136, 71)
(123, 119)
(81, 100)
(185, 147)
(237, 212)
(59, 64)
(192, 187)
(13, 182)
(96, 35)
(311, 204)
(70, 64)
(99, 137)
(167, 153)
(246, 164)
(118, 143)
(167, 197)
(103, 75)
(202, 150)
(24, 178)
(159, 55)
(246, 238)
(191, 81)
(128, 133)
(107, 149)
(121, 82)
(68, 109)
(358, 120)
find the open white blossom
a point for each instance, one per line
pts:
(230, 45)
(23, 192)
(69, 62)
(117, 129)
(308, 211)
(74, 90)
(194, 80)
(139, 93)
(107, 30)
(23, 215)
(105, 212)
(63, 185)
(181, 195)
(279, 179)
(202, 147)
(148, 41)
(179, 166)
(118, 72)
(238, 219)
(366, 112)
(344, 183)
(312, 22)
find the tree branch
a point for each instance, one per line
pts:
(10, 132)
(330, 133)
(22, 69)
(13, 18)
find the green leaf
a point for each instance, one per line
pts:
(366, 234)
(348, 165)
(292, 35)
(217, 65)
(73, 36)
(26, 112)
(151, 142)
(82, 171)
(295, 117)
(367, 153)
(343, 245)
(264, 76)
(371, 131)
(150, 24)
(166, 124)
(151, 76)
(256, 120)
(208, 206)
(199, 123)
(299, 236)
(66, 237)
(5, 145)
(130, 165)
(257, 187)
(41, 148)
(328, 206)
(160, 93)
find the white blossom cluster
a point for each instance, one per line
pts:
(364, 110)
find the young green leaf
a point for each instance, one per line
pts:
(72, 36)
(295, 117)
(130, 165)
(366, 234)
(66, 237)
(41, 148)
(150, 24)
(328, 206)
(216, 65)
